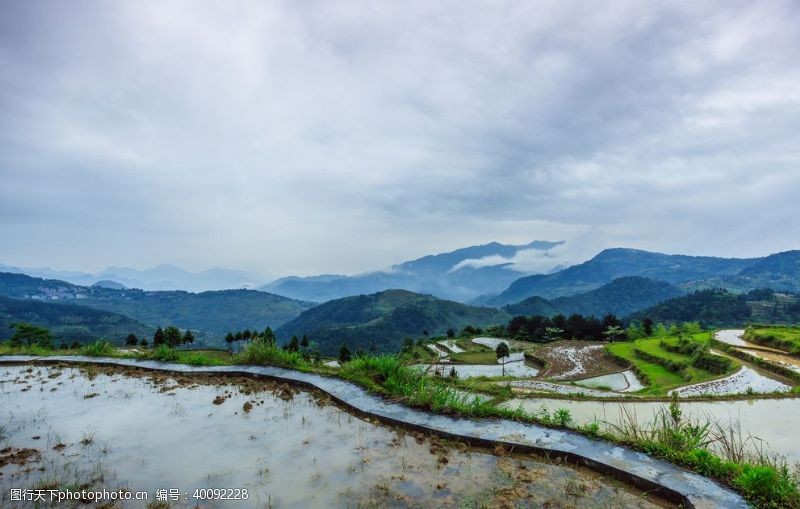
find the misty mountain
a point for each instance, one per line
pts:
(213, 312)
(460, 275)
(620, 297)
(382, 320)
(69, 323)
(779, 271)
(161, 277)
(611, 264)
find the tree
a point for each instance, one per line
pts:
(344, 354)
(246, 334)
(647, 325)
(502, 351)
(75, 345)
(451, 333)
(188, 337)
(158, 337)
(143, 343)
(172, 336)
(304, 341)
(553, 333)
(238, 336)
(230, 338)
(269, 336)
(294, 344)
(30, 335)
(63, 346)
(614, 332)
(131, 340)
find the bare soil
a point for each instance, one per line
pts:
(573, 360)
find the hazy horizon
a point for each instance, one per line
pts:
(288, 138)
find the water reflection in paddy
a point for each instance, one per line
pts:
(288, 448)
(772, 420)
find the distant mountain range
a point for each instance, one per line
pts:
(779, 271)
(161, 277)
(212, 313)
(486, 275)
(380, 309)
(460, 275)
(380, 321)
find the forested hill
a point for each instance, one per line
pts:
(380, 321)
(69, 323)
(214, 312)
(621, 297)
(722, 308)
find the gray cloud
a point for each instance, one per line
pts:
(301, 137)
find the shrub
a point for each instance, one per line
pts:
(164, 354)
(100, 348)
(267, 354)
(768, 486)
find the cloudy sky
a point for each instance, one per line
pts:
(305, 137)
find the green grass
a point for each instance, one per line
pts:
(266, 354)
(782, 337)
(659, 378)
(99, 348)
(663, 369)
(475, 357)
(6, 349)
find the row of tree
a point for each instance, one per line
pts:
(541, 329)
(247, 335)
(170, 336)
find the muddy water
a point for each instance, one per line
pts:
(735, 338)
(773, 421)
(102, 429)
(780, 359)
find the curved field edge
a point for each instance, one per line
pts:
(760, 481)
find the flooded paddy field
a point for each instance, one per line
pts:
(520, 369)
(96, 428)
(771, 422)
(624, 381)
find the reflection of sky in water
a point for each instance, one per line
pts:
(772, 420)
(294, 453)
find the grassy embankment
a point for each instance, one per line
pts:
(665, 363)
(781, 337)
(763, 480)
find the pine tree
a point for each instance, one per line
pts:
(158, 337)
(269, 336)
(344, 354)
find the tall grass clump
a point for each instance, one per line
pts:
(7, 349)
(388, 375)
(199, 359)
(265, 353)
(164, 354)
(100, 348)
(717, 451)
